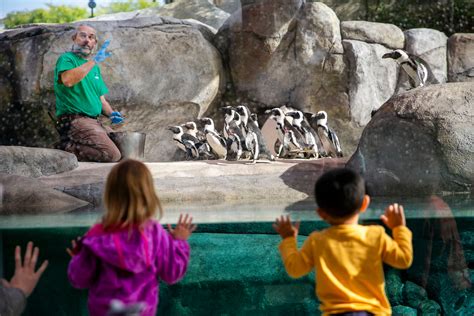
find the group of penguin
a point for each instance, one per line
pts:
(297, 135)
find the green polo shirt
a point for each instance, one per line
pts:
(84, 96)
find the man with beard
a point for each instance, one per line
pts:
(80, 99)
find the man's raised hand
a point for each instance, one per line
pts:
(102, 54)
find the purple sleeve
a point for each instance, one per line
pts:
(172, 256)
(82, 269)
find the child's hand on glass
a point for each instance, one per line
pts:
(394, 216)
(283, 226)
(76, 247)
(184, 228)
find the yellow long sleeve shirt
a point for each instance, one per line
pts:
(348, 262)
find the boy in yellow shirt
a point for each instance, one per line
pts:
(348, 257)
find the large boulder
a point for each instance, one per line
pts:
(420, 142)
(35, 162)
(460, 57)
(156, 63)
(284, 52)
(389, 35)
(372, 80)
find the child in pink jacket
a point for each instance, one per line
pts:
(124, 257)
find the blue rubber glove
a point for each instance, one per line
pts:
(116, 117)
(102, 54)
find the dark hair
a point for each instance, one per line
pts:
(340, 192)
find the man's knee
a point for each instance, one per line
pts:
(112, 154)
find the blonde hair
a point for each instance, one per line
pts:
(129, 196)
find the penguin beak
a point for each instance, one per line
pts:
(388, 55)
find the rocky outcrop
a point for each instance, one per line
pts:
(24, 195)
(420, 142)
(156, 64)
(35, 162)
(372, 80)
(200, 10)
(460, 57)
(389, 35)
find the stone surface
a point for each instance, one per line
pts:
(394, 286)
(454, 300)
(201, 10)
(345, 9)
(460, 57)
(420, 142)
(431, 46)
(372, 80)
(414, 294)
(208, 182)
(35, 162)
(400, 310)
(229, 6)
(156, 64)
(22, 195)
(389, 35)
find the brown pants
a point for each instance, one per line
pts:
(88, 139)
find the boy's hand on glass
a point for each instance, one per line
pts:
(284, 227)
(394, 216)
(184, 228)
(25, 277)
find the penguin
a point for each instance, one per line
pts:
(308, 133)
(287, 142)
(232, 132)
(254, 117)
(191, 128)
(234, 147)
(194, 148)
(327, 136)
(417, 69)
(185, 143)
(250, 125)
(214, 139)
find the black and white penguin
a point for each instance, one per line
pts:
(287, 142)
(327, 136)
(232, 132)
(308, 133)
(185, 142)
(254, 117)
(250, 125)
(417, 69)
(194, 148)
(214, 139)
(191, 128)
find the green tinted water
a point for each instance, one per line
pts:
(235, 267)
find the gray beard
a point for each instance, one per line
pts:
(80, 50)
